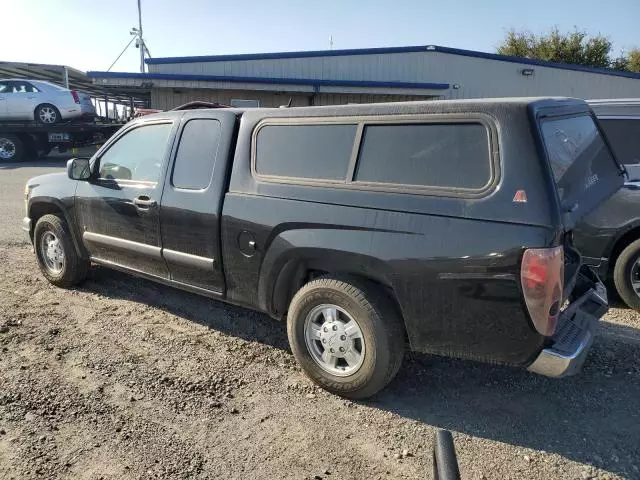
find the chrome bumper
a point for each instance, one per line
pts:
(576, 330)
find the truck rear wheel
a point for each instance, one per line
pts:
(11, 148)
(626, 275)
(346, 335)
(57, 257)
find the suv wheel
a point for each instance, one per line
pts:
(626, 275)
(56, 254)
(346, 335)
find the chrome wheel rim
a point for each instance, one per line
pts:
(47, 115)
(7, 149)
(334, 340)
(52, 253)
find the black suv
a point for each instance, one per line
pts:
(446, 224)
(609, 238)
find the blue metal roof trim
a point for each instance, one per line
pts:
(533, 61)
(277, 55)
(390, 50)
(270, 80)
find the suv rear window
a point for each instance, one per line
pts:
(624, 137)
(578, 156)
(318, 152)
(449, 155)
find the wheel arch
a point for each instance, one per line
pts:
(40, 206)
(35, 110)
(622, 241)
(282, 278)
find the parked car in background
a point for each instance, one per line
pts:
(440, 224)
(609, 238)
(44, 102)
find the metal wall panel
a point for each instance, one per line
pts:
(476, 77)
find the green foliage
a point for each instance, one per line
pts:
(633, 59)
(575, 47)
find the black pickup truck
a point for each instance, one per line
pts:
(445, 225)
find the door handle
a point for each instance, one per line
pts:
(144, 203)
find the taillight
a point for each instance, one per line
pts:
(76, 97)
(542, 277)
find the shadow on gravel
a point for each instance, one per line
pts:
(231, 320)
(592, 418)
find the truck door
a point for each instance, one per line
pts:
(118, 212)
(192, 199)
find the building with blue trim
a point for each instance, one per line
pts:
(362, 76)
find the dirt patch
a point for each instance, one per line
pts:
(125, 379)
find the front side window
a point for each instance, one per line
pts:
(4, 87)
(317, 152)
(445, 155)
(137, 155)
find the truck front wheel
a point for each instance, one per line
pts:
(11, 148)
(346, 335)
(57, 257)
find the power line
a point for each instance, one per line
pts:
(121, 53)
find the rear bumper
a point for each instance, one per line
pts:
(576, 330)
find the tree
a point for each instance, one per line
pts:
(575, 47)
(633, 60)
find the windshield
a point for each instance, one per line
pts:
(579, 158)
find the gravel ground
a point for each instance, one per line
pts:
(125, 379)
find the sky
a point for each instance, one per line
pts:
(89, 34)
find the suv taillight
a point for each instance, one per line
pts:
(76, 97)
(542, 277)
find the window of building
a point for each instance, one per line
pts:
(240, 103)
(196, 155)
(318, 152)
(449, 155)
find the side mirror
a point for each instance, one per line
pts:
(79, 169)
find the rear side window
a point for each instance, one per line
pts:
(624, 138)
(196, 155)
(451, 155)
(318, 152)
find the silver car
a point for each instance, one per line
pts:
(42, 101)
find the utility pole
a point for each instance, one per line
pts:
(141, 44)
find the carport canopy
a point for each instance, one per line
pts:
(75, 80)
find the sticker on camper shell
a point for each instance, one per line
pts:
(520, 197)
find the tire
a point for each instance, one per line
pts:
(72, 268)
(44, 152)
(47, 114)
(626, 267)
(11, 148)
(381, 335)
